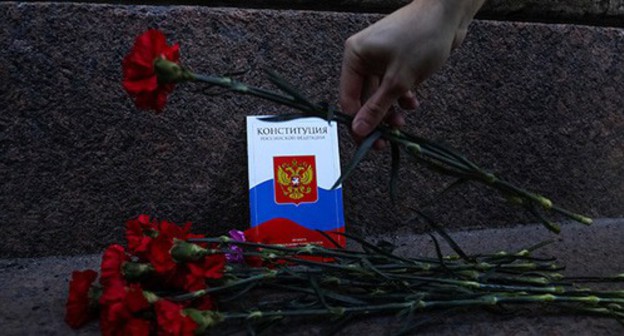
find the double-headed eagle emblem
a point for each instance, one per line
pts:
(294, 179)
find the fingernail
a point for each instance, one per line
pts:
(361, 128)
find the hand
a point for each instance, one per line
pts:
(384, 61)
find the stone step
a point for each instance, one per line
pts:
(593, 12)
(34, 290)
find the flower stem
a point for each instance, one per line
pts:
(229, 285)
(436, 156)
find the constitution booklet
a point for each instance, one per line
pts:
(292, 167)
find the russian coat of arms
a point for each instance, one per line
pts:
(295, 179)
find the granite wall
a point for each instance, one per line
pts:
(540, 104)
(601, 12)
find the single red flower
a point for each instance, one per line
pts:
(159, 251)
(136, 327)
(187, 275)
(119, 305)
(171, 319)
(139, 234)
(209, 267)
(112, 261)
(139, 78)
(132, 326)
(173, 230)
(79, 306)
(159, 254)
(192, 275)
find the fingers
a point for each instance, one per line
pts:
(460, 35)
(394, 119)
(375, 108)
(371, 84)
(351, 83)
(408, 101)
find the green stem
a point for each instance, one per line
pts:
(239, 87)
(439, 157)
(486, 300)
(202, 292)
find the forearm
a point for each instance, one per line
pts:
(455, 15)
(470, 9)
(461, 11)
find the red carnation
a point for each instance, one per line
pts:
(136, 327)
(139, 78)
(173, 230)
(79, 306)
(209, 267)
(139, 233)
(172, 321)
(159, 253)
(112, 261)
(119, 305)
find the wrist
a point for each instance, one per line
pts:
(459, 12)
(465, 9)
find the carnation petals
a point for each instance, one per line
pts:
(171, 320)
(78, 308)
(139, 78)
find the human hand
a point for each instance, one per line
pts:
(384, 61)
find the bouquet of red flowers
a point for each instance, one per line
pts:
(155, 261)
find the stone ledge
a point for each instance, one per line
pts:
(539, 104)
(34, 290)
(592, 12)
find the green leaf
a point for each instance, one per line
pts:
(439, 254)
(438, 228)
(540, 245)
(330, 113)
(240, 293)
(457, 183)
(386, 246)
(372, 267)
(331, 240)
(368, 246)
(328, 294)
(366, 145)
(318, 291)
(551, 226)
(289, 89)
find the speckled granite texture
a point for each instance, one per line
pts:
(540, 104)
(34, 290)
(596, 11)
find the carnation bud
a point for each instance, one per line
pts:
(582, 219)
(545, 202)
(134, 270)
(170, 72)
(150, 297)
(204, 319)
(182, 251)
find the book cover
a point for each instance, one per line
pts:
(292, 167)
